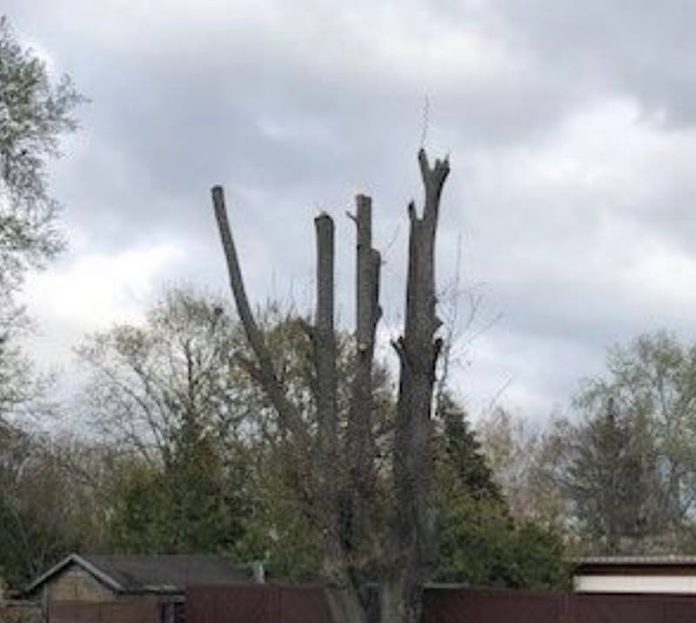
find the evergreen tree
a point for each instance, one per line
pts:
(480, 542)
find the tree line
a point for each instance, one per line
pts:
(183, 454)
(616, 475)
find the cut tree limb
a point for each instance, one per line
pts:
(324, 337)
(361, 447)
(289, 417)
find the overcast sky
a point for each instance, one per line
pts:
(571, 128)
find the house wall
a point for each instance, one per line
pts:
(671, 584)
(75, 584)
(143, 609)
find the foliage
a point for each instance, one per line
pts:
(277, 529)
(185, 482)
(36, 517)
(620, 476)
(632, 472)
(652, 384)
(520, 459)
(481, 543)
(463, 452)
(166, 394)
(188, 460)
(18, 385)
(34, 113)
(152, 385)
(46, 508)
(202, 467)
(612, 480)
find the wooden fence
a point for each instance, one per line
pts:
(273, 604)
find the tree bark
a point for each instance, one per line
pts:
(323, 338)
(361, 449)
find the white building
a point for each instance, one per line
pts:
(636, 574)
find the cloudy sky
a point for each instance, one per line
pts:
(571, 128)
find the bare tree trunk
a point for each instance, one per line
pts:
(344, 594)
(413, 547)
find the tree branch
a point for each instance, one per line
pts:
(268, 378)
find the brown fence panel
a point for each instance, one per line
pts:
(304, 605)
(276, 604)
(482, 606)
(229, 604)
(257, 604)
(591, 608)
(615, 608)
(680, 610)
(459, 606)
(144, 610)
(608, 608)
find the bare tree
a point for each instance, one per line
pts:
(338, 467)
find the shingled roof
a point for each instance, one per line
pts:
(669, 560)
(154, 573)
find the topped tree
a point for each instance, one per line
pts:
(336, 466)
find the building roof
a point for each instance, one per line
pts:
(161, 573)
(637, 561)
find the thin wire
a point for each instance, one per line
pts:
(426, 122)
(392, 242)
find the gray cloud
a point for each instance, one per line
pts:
(569, 124)
(639, 47)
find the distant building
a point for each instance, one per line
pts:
(636, 574)
(147, 589)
